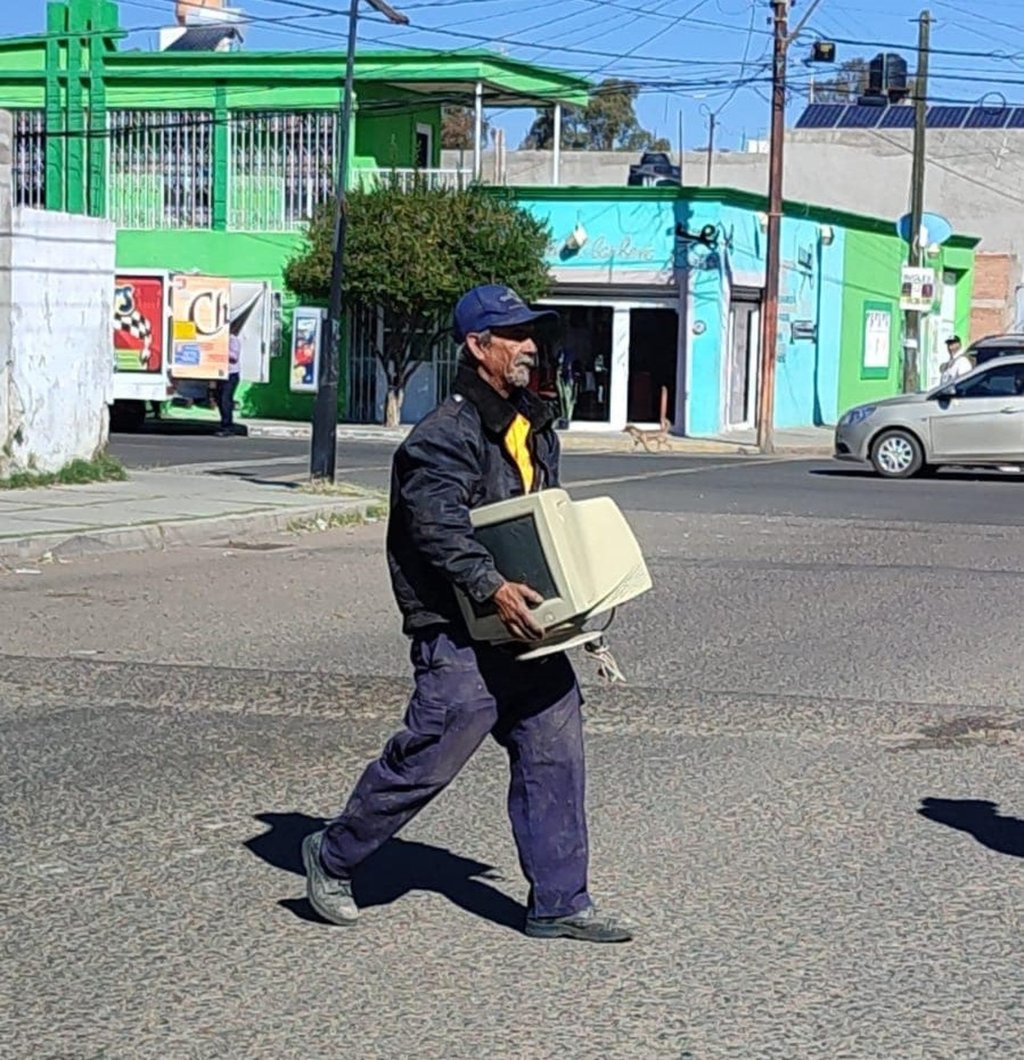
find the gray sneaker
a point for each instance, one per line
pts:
(330, 897)
(587, 926)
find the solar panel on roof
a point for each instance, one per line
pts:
(1016, 118)
(860, 116)
(946, 117)
(897, 118)
(820, 116)
(987, 117)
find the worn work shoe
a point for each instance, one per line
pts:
(330, 897)
(587, 926)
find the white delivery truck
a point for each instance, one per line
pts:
(171, 331)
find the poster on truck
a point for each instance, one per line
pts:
(201, 327)
(139, 323)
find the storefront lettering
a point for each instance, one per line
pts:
(625, 250)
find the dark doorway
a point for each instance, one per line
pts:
(741, 357)
(424, 147)
(653, 356)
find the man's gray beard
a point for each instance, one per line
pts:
(519, 377)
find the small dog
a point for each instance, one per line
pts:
(658, 438)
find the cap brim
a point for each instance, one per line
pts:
(527, 316)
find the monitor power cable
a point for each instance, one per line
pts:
(608, 670)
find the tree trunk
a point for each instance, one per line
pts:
(393, 407)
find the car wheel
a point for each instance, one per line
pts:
(897, 454)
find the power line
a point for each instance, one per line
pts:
(286, 23)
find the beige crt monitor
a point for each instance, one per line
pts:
(581, 556)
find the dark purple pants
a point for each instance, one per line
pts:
(463, 692)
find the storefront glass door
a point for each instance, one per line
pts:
(580, 350)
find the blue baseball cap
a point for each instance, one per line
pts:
(492, 306)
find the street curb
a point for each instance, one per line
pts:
(303, 432)
(615, 442)
(219, 529)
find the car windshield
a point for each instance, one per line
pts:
(989, 353)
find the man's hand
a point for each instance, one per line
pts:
(512, 601)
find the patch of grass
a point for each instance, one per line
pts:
(322, 488)
(373, 513)
(104, 468)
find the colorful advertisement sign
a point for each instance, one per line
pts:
(307, 339)
(201, 328)
(139, 323)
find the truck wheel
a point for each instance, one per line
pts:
(897, 454)
(127, 417)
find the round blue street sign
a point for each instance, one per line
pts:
(937, 229)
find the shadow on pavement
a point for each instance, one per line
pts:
(396, 869)
(291, 483)
(952, 475)
(178, 429)
(978, 818)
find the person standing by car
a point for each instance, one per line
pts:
(491, 440)
(226, 388)
(959, 364)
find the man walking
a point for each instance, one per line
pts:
(491, 440)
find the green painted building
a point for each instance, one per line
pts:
(213, 161)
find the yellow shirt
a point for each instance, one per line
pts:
(517, 442)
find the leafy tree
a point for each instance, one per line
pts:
(413, 253)
(607, 123)
(457, 127)
(845, 86)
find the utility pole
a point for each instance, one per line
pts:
(682, 149)
(782, 39)
(770, 311)
(915, 256)
(711, 144)
(323, 448)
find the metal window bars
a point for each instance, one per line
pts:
(160, 169)
(368, 328)
(30, 158)
(406, 179)
(282, 167)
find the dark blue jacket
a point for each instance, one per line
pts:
(454, 460)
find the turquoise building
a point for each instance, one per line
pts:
(663, 287)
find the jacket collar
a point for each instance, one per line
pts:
(496, 412)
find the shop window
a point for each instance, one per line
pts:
(579, 350)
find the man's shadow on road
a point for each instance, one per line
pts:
(398, 867)
(978, 818)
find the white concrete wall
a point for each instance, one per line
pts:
(6, 351)
(56, 305)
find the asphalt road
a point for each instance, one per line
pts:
(809, 795)
(736, 485)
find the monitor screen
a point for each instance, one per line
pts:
(518, 555)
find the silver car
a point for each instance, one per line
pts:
(976, 421)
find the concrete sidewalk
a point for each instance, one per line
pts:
(805, 441)
(153, 509)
